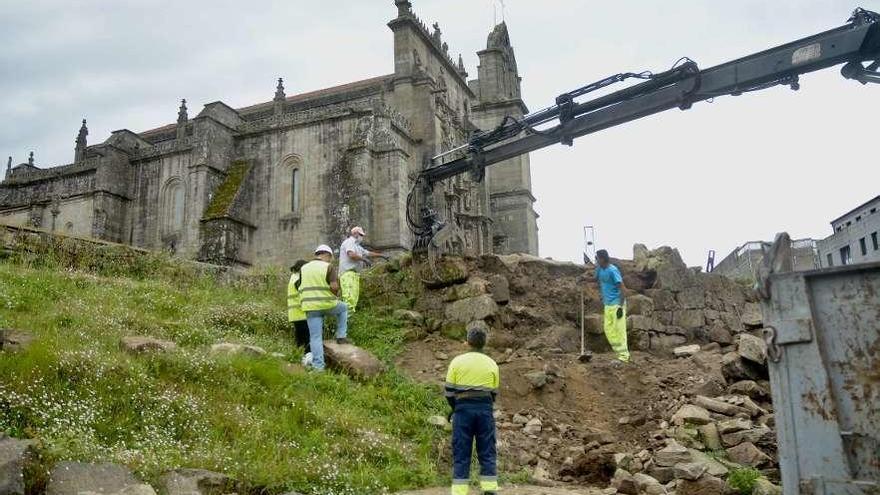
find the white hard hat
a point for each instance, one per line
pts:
(323, 248)
(358, 231)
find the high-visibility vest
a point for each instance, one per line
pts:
(294, 302)
(314, 289)
(472, 372)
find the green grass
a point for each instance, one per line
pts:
(743, 480)
(275, 430)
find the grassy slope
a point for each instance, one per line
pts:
(86, 400)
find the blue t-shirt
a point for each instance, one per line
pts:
(609, 281)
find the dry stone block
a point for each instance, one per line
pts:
(670, 456)
(639, 322)
(139, 345)
(751, 315)
(409, 316)
(709, 436)
(733, 425)
(689, 470)
(720, 407)
(688, 318)
(753, 435)
(748, 455)
(713, 467)
(15, 454)
(74, 478)
(472, 308)
(705, 485)
(447, 271)
(749, 388)
(735, 368)
(352, 359)
(594, 324)
(195, 482)
(639, 304)
(752, 348)
(625, 483)
(718, 332)
(472, 288)
(233, 349)
(691, 414)
(686, 350)
(500, 287)
(14, 340)
(692, 298)
(763, 486)
(533, 427)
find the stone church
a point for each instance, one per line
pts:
(265, 183)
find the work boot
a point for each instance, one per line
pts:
(343, 340)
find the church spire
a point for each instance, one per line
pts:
(31, 159)
(279, 90)
(404, 7)
(9, 165)
(182, 115)
(182, 119)
(81, 143)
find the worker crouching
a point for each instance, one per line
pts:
(471, 388)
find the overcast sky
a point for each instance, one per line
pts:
(739, 169)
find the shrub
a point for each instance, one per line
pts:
(743, 479)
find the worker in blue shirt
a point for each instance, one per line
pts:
(471, 388)
(614, 299)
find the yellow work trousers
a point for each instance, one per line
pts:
(615, 331)
(350, 284)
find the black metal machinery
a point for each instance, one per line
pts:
(854, 44)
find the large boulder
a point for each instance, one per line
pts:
(671, 455)
(751, 315)
(473, 287)
(14, 457)
(445, 272)
(692, 298)
(735, 368)
(352, 359)
(472, 308)
(195, 482)
(136, 344)
(75, 478)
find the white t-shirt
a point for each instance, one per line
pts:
(345, 261)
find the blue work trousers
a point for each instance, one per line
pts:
(474, 423)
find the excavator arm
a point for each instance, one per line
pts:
(856, 45)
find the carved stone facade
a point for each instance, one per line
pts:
(266, 183)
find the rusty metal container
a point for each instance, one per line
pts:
(823, 335)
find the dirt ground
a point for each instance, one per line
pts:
(580, 403)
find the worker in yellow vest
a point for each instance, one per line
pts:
(295, 315)
(471, 386)
(319, 290)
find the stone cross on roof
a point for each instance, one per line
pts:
(404, 7)
(9, 164)
(31, 159)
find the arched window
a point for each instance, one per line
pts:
(295, 188)
(173, 205)
(289, 186)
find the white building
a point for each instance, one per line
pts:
(855, 237)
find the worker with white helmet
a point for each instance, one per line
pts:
(319, 290)
(352, 258)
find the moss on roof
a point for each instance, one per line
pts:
(224, 197)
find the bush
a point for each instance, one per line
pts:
(743, 479)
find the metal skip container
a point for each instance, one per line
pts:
(823, 336)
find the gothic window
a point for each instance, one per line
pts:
(289, 190)
(295, 187)
(173, 204)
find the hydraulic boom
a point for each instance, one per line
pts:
(856, 45)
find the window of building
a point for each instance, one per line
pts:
(289, 186)
(848, 223)
(863, 246)
(874, 241)
(845, 255)
(839, 228)
(830, 260)
(173, 203)
(859, 218)
(295, 187)
(873, 210)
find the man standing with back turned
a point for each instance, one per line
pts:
(611, 286)
(471, 387)
(352, 256)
